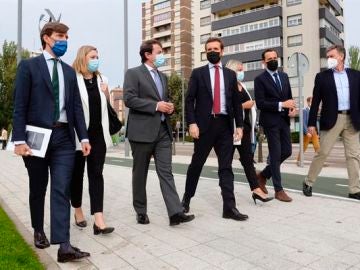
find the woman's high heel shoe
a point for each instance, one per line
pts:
(106, 230)
(81, 224)
(258, 197)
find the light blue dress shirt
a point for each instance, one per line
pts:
(342, 89)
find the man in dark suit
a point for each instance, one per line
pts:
(46, 95)
(149, 131)
(211, 104)
(338, 89)
(274, 100)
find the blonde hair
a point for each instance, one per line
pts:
(79, 64)
(233, 64)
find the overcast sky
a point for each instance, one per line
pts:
(100, 23)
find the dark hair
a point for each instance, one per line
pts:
(308, 99)
(266, 51)
(147, 46)
(50, 28)
(215, 39)
(340, 49)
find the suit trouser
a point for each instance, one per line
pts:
(60, 160)
(307, 140)
(161, 150)
(279, 143)
(350, 136)
(95, 165)
(247, 158)
(220, 137)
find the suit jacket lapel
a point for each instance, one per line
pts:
(150, 79)
(66, 82)
(271, 81)
(226, 82)
(206, 76)
(165, 90)
(45, 73)
(82, 89)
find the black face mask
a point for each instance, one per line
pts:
(272, 65)
(213, 57)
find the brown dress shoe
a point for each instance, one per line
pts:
(262, 182)
(282, 196)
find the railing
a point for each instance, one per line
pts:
(247, 11)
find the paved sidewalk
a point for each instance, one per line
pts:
(309, 233)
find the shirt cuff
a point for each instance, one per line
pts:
(19, 142)
(280, 106)
(85, 140)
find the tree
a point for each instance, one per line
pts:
(175, 90)
(354, 57)
(7, 81)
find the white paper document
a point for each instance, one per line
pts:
(37, 139)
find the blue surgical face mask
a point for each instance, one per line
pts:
(159, 60)
(59, 48)
(93, 65)
(240, 76)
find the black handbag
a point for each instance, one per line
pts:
(114, 122)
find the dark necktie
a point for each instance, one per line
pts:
(277, 81)
(55, 86)
(216, 103)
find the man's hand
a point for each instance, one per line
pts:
(238, 134)
(194, 131)
(292, 112)
(85, 148)
(22, 150)
(289, 104)
(311, 130)
(165, 107)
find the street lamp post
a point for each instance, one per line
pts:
(19, 32)
(127, 148)
(183, 106)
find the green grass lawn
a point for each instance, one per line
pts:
(15, 253)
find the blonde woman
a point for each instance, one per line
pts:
(94, 92)
(245, 148)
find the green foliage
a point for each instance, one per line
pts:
(175, 90)
(354, 57)
(7, 80)
(15, 253)
(295, 137)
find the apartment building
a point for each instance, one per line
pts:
(117, 102)
(248, 27)
(169, 21)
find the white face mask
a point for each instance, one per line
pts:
(332, 63)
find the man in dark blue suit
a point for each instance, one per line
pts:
(212, 103)
(46, 95)
(338, 90)
(274, 100)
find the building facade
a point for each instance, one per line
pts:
(248, 27)
(117, 102)
(169, 21)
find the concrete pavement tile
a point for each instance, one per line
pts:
(155, 264)
(209, 255)
(108, 260)
(354, 248)
(152, 245)
(237, 264)
(132, 254)
(302, 258)
(328, 263)
(235, 249)
(181, 260)
(172, 237)
(268, 260)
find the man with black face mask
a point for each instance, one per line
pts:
(274, 100)
(212, 103)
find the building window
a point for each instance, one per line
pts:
(177, 61)
(162, 5)
(294, 40)
(162, 17)
(294, 20)
(204, 38)
(203, 56)
(205, 21)
(205, 4)
(177, 25)
(293, 2)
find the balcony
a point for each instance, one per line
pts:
(250, 56)
(326, 33)
(164, 22)
(224, 5)
(162, 34)
(247, 17)
(324, 13)
(335, 5)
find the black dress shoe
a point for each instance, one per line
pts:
(142, 219)
(185, 204)
(235, 214)
(258, 197)
(40, 240)
(106, 230)
(354, 195)
(71, 255)
(307, 190)
(180, 218)
(81, 224)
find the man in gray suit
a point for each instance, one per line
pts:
(149, 131)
